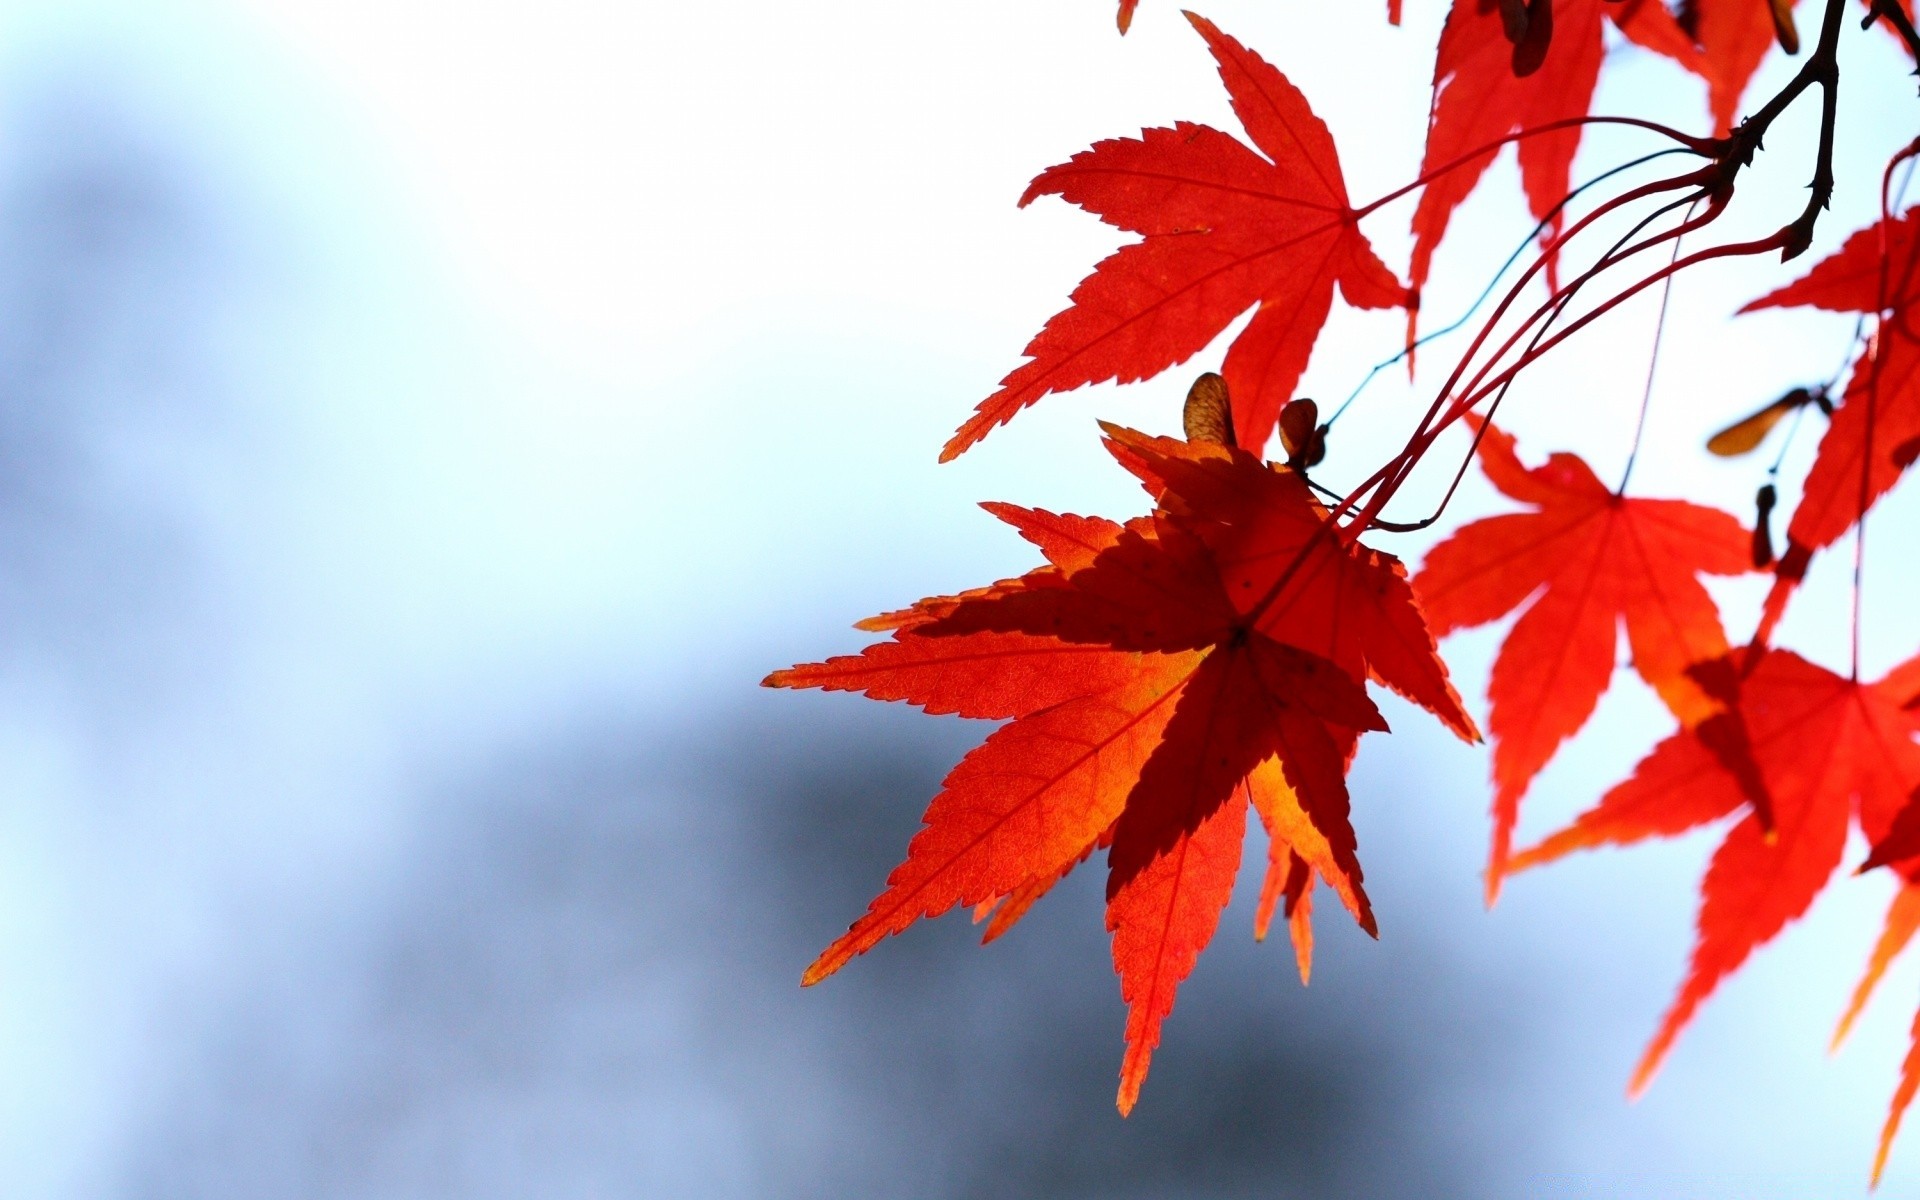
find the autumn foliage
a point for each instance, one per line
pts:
(1160, 676)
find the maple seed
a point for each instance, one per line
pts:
(1746, 434)
(1906, 453)
(1530, 49)
(1763, 527)
(1513, 20)
(1783, 29)
(1301, 433)
(1208, 416)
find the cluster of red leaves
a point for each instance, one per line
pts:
(1158, 677)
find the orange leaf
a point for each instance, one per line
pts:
(1903, 918)
(1161, 918)
(1292, 828)
(1300, 921)
(1245, 703)
(1024, 804)
(1021, 899)
(1069, 543)
(1288, 877)
(1902, 1097)
(992, 675)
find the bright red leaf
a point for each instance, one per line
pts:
(1875, 433)
(1477, 100)
(1828, 750)
(1735, 36)
(1582, 563)
(1878, 259)
(1223, 230)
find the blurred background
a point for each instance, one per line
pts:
(422, 425)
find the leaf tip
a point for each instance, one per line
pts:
(830, 961)
(1840, 1033)
(1651, 1061)
(1642, 1079)
(1492, 879)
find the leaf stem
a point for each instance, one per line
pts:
(1704, 147)
(1539, 227)
(1653, 361)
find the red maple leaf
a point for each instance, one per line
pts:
(1734, 36)
(1902, 921)
(1873, 270)
(1223, 230)
(1582, 563)
(1160, 676)
(1478, 99)
(1875, 434)
(1828, 750)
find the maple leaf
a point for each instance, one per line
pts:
(1827, 749)
(1851, 278)
(1345, 602)
(1069, 542)
(1875, 433)
(1478, 99)
(1734, 37)
(1223, 230)
(1297, 853)
(1584, 561)
(1160, 676)
(1902, 920)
